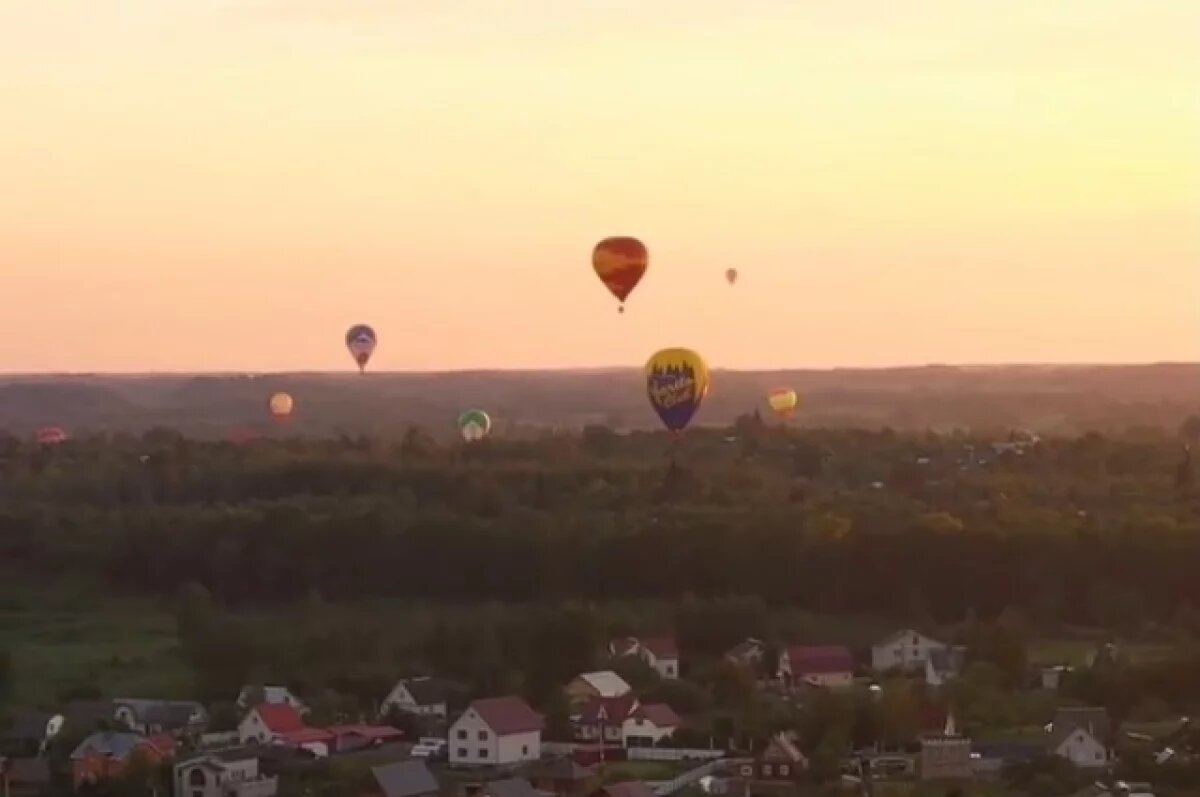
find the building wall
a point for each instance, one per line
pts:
(1082, 750)
(253, 729)
(666, 668)
(468, 736)
(520, 747)
(908, 653)
(636, 730)
(400, 698)
(830, 680)
(946, 759)
(98, 767)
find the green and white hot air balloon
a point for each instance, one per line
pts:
(474, 425)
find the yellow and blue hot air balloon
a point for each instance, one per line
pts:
(676, 384)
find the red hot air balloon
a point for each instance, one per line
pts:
(620, 264)
(51, 435)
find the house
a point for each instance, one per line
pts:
(828, 666)
(1051, 677)
(405, 779)
(603, 719)
(106, 754)
(562, 776)
(497, 730)
(747, 653)
(30, 731)
(649, 724)
(425, 696)
(905, 650)
(945, 757)
(944, 665)
(1081, 735)
(661, 653)
(281, 724)
(510, 787)
(780, 762)
(271, 695)
(588, 685)
(88, 715)
(228, 773)
(24, 777)
(348, 738)
(176, 717)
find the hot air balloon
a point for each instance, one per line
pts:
(50, 435)
(474, 425)
(676, 384)
(783, 401)
(281, 406)
(731, 275)
(360, 340)
(620, 264)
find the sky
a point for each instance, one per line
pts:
(229, 184)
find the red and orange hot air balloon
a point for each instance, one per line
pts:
(51, 435)
(731, 275)
(620, 263)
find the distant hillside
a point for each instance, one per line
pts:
(1050, 399)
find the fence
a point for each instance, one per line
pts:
(673, 754)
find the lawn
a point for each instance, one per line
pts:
(70, 637)
(620, 771)
(1076, 651)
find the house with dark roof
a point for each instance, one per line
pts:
(827, 666)
(660, 652)
(88, 715)
(252, 695)
(944, 665)
(405, 779)
(106, 754)
(1081, 735)
(603, 719)
(225, 773)
(351, 738)
(780, 762)
(747, 653)
(176, 717)
(424, 696)
(496, 731)
(649, 724)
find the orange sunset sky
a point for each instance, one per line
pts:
(229, 184)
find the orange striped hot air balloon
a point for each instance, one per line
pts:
(620, 263)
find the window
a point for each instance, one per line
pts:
(767, 770)
(747, 771)
(196, 778)
(462, 752)
(1099, 756)
(462, 734)
(483, 736)
(482, 752)
(783, 770)
(525, 749)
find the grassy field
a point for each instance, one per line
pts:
(67, 638)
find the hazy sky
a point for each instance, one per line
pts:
(229, 184)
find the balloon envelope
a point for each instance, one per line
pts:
(281, 405)
(620, 262)
(783, 400)
(474, 425)
(51, 435)
(676, 383)
(731, 275)
(360, 340)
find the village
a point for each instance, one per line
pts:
(427, 737)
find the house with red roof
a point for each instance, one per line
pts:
(650, 724)
(826, 666)
(496, 730)
(107, 754)
(281, 724)
(348, 738)
(660, 652)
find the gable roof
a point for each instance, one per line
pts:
(624, 646)
(784, 750)
(613, 709)
(167, 713)
(658, 714)
(428, 691)
(1092, 719)
(507, 715)
(86, 714)
(306, 736)
(372, 732)
(820, 659)
(746, 648)
(29, 725)
(405, 779)
(510, 787)
(903, 633)
(663, 647)
(115, 744)
(607, 683)
(279, 717)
